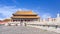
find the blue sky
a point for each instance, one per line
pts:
(44, 8)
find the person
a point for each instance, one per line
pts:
(25, 24)
(21, 23)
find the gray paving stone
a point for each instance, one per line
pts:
(22, 30)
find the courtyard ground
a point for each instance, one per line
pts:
(23, 30)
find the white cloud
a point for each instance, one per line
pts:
(46, 15)
(6, 11)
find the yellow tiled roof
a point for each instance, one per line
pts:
(24, 13)
(6, 20)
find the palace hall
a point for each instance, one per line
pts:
(25, 16)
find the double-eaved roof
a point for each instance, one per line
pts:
(25, 14)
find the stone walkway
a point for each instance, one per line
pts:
(22, 30)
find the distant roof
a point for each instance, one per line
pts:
(7, 20)
(24, 13)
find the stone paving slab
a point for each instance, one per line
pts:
(23, 30)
